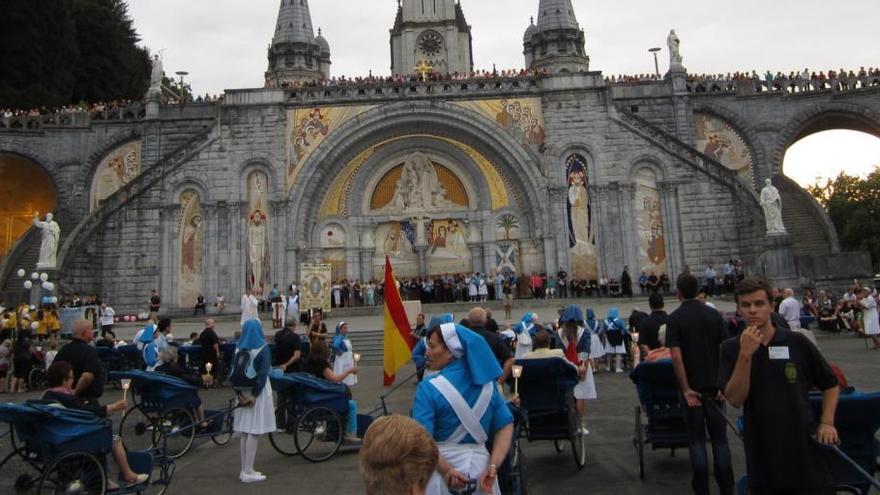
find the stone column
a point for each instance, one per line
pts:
(558, 214)
(209, 256)
(777, 261)
(168, 244)
(237, 251)
(422, 255)
(630, 232)
(277, 240)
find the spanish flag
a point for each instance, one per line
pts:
(398, 334)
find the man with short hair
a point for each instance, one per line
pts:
(649, 328)
(694, 333)
(770, 370)
(542, 343)
(398, 457)
(88, 372)
(288, 350)
(790, 309)
(478, 320)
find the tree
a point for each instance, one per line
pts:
(57, 52)
(507, 222)
(853, 204)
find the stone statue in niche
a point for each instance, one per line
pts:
(419, 188)
(49, 245)
(771, 201)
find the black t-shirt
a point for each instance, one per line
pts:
(698, 331)
(207, 340)
(287, 343)
(501, 351)
(83, 358)
(316, 368)
(778, 418)
(649, 329)
(155, 302)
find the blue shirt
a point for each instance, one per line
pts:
(433, 412)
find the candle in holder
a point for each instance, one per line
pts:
(126, 384)
(357, 359)
(208, 367)
(517, 372)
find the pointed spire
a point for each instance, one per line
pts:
(556, 14)
(294, 23)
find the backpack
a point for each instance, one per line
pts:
(244, 373)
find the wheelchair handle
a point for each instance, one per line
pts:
(834, 448)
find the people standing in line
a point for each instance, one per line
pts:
(576, 344)
(107, 318)
(344, 354)
(694, 333)
(769, 371)
(258, 416)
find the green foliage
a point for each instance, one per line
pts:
(57, 52)
(853, 204)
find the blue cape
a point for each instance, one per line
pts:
(252, 336)
(147, 336)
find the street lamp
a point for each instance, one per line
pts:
(182, 73)
(655, 50)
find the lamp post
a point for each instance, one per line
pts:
(655, 50)
(182, 74)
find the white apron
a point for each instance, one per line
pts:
(345, 362)
(471, 460)
(597, 349)
(523, 343)
(293, 308)
(585, 388)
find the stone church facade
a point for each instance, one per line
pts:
(557, 169)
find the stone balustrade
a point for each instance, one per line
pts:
(782, 85)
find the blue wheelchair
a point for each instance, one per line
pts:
(62, 451)
(547, 402)
(660, 402)
(311, 416)
(164, 409)
(112, 360)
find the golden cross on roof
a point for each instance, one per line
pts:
(424, 68)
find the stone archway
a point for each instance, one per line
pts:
(25, 187)
(518, 167)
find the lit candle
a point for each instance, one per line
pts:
(209, 367)
(517, 372)
(126, 383)
(357, 359)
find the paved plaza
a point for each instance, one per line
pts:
(611, 459)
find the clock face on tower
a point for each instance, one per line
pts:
(430, 44)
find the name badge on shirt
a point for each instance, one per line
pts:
(780, 353)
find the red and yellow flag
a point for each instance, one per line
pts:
(399, 341)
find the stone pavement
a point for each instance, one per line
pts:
(611, 459)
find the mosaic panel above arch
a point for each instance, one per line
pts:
(336, 202)
(117, 169)
(385, 190)
(718, 139)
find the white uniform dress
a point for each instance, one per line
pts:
(523, 342)
(870, 316)
(345, 362)
(586, 387)
(597, 350)
(258, 419)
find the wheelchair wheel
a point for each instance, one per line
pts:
(177, 427)
(639, 441)
(226, 433)
(318, 434)
(20, 477)
(579, 449)
(283, 440)
(36, 379)
(138, 430)
(559, 445)
(74, 472)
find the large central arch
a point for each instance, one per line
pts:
(520, 167)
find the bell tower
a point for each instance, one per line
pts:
(431, 31)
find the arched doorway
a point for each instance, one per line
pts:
(823, 155)
(25, 188)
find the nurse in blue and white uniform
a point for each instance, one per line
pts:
(344, 355)
(462, 408)
(149, 349)
(525, 330)
(576, 344)
(419, 357)
(597, 348)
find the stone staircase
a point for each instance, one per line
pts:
(151, 176)
(369, 344)
(806, 223)
(23, 254)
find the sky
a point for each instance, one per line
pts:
(223, 43)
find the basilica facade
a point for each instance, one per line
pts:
(438, 170)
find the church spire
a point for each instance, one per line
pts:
(556, 43)
(296, 54)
